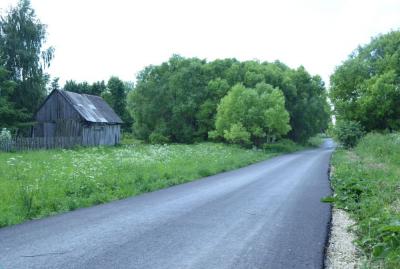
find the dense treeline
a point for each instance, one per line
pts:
(365, 88)
(178, 100)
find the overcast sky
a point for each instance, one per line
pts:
(94, 39)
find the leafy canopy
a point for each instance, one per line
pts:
(22, 36)
(177, 101)
(365, 88)
(252, 115)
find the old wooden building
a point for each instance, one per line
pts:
(83, 116)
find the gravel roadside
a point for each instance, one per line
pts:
(341, 252)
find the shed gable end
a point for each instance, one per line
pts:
(56, 108)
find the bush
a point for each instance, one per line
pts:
(366, 181)
(282, 146)
(157, 138)
(348, 133)
(237, 134)
(252, 115)
(317, 140)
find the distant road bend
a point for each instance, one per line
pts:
(266, 215)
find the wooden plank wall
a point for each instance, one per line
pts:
(56, 108)
(101, 134)
(58, 118)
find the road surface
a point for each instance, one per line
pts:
(266, 215)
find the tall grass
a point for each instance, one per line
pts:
(367, 184)
(42, 183)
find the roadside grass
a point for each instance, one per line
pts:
(283, 146)
(41, 183)
(366, 182)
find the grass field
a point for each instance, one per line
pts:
(42, 183)
(366, 181)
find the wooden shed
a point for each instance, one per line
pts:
(84, 116)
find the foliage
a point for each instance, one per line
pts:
(115, 95)
(365, 88)
(97, 88)
(157, 138)
(179, 98)
(282, 146)
(22, 36)
(257, 115)
(41, 183)
(316, 140)
(237, 134)
(54, 85)
(348, 132)
(366, 183)
(167, 98)
(9, 114)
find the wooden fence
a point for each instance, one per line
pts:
(35, 143)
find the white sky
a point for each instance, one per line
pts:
(94, 39)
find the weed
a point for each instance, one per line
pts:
(366, 183)
(47, 182)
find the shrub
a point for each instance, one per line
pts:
(252, 115)
(348, 133)
(366, 183)
(284, 145)
(237, 134)
(157, 138)
(317, 140)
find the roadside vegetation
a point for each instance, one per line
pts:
(366, 181)
(366, 170)
(42, 183)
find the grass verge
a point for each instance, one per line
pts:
(366, 182)
(42, 183)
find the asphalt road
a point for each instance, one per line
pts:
(267, 215)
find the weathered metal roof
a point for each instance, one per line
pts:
(92, 108)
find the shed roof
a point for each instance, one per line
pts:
(91, 107)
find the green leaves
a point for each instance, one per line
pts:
(179, 99)
(365, 87)
(237, 134)
(348, 132)
(257, 115)
(328, 199)
(22, 37)
(366, 182)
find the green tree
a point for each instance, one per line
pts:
(54, 84)
(116, 95)
(365, 88)
(348, 132)
(257, 115)
(9, 115)
(178, 99)
(167, 98)
(97, 88)
(22, 36)
(78, 87)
